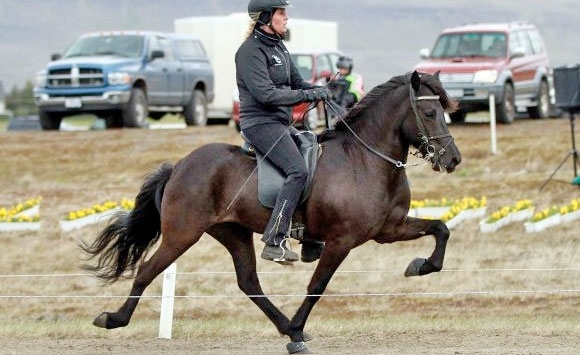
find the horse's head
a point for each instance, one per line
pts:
(427, 130)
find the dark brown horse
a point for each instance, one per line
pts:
(360, 193)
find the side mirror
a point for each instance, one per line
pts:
(157, 54)
(55, 56)
(424, 53)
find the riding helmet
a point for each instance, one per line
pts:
(344, 62)
(266, 5)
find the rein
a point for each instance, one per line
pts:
(425, 138)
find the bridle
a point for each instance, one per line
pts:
(424, 136)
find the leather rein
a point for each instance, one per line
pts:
(424, 135)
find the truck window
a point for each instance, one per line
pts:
(189, 49)
(129, 46)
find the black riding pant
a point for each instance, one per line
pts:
(275, 142)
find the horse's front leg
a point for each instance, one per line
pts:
(332, 256)
(416, 228)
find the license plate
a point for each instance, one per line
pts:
(73, 103)
(455, 93)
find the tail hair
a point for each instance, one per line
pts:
(124, 242)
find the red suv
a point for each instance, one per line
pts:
(315, 66)
(508, 60)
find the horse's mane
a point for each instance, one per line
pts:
(380, 92)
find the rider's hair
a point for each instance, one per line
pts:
(254, 16)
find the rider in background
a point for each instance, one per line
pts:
(269, 85)
(348, 88)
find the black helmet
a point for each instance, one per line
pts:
(266, 5)
(344, 62)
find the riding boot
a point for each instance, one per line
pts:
(276, 236)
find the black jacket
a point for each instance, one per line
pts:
(268, 82)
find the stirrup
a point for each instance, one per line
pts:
(297, 231)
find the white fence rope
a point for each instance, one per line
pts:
(169, 278)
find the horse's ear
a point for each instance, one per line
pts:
(415, 81)
(436, 75)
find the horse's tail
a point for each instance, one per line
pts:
(129, 235)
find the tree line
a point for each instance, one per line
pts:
(21, 101)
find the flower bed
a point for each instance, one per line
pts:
(520, 211)
(95, 214)
(464, 209)
(546, 218)
(429, 208)
(22, 216)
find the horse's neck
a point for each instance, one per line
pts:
(379, 136)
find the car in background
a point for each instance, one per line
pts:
(507, 60)
(316, 67)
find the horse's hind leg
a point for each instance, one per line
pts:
(238, 241)
(166, 254)
(417, 228)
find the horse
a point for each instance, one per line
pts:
(359, 193)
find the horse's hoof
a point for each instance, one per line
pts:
(101, 320)
(414, 267)
(297, 347)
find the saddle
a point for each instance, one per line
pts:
(270, 179)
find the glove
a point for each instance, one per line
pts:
(319, 93)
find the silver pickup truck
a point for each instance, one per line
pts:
(125, 77)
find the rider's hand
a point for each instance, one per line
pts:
(319, 93)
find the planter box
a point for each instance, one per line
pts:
(433, 212)
(510, 218)
(522, 215)
(19, 226)
(569, 217)
(465, 215)
(485, 227)
(87, 220)
(30, 212)
(538, 226)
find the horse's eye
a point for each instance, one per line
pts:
(431, 114)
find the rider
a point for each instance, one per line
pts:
(269, 85)
(348, 88)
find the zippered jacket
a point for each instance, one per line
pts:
(268, 82)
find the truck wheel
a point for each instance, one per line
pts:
(49, 121)
(196, 112)
(135, 115)
(542, 110)
(506, 109)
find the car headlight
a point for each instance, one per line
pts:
(119, 78)
(41, 79)
(485, 76)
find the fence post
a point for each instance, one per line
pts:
(167, 299)
(492, 124)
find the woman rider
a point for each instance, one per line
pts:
(269, 85)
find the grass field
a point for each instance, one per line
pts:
(509, 282)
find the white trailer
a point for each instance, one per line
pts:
(222, 35)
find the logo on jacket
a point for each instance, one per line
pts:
(277, 60)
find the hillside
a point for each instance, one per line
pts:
(384, 39)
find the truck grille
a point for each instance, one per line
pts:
(456, 78)
(75, 77)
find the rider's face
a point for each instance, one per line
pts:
(279, 20)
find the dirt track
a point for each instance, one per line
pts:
(406, 343)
